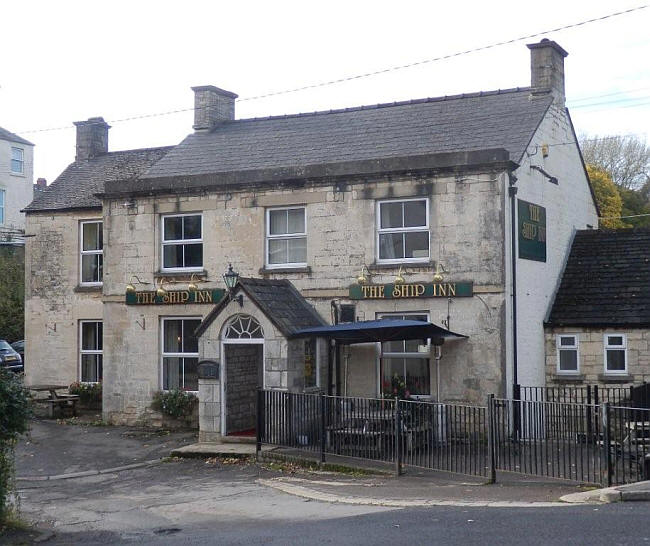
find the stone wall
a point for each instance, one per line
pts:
(591, 351)
(54, 301)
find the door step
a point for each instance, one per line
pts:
(238, 439)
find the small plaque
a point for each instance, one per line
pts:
(208, 369)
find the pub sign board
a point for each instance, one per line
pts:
(411, 290)
(532, 231)
(174, 297)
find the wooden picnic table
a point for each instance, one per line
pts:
(56, 400)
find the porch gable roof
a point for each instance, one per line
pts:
(278, 299)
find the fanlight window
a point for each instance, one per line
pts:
(244, 327)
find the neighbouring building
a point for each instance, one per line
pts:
(395, 210)
(598, 331)
(16, 175)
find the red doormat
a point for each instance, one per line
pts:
(250, 432)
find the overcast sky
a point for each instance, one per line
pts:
(65, 61)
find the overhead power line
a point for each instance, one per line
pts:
(373, 73)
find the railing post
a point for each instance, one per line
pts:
(516, 406)
(260, 423)
(492, 475)
(606, 441)
(398, 440)
(589, 438)
(323, 434)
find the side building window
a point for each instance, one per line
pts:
(2, 207)
(311, 364)
(403, 230)
(17, 161)
(567, 354)
(180, 354)
(182, 242)
(615, 354)
(286, 237)
(405, 365)
(90, 351)
(92, 252)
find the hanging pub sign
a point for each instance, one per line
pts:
(174, 296)
(532, 231)
(411, 290)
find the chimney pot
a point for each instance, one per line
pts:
(212, 106)
(547, 68)
(41, 182)
(92, 138)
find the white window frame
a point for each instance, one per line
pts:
(83, 351)
(83, 253)
(21, 160)
(171, 242)
(379, 231)
(303, 235)
(574, 347)
(164, 355)
(3, 206)
(607, 346)
(426, 354)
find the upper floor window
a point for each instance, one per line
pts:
(615, 354)
(567, 354)
(90, 351)
(2, 207)
(92, 252)
(182, 241)
(403, 230)
(17, 160)
(286, 237)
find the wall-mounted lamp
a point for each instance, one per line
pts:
(364, 276)
(130, 287)
(399, 279)
(230, 278)
(160, 291)
(437, 274)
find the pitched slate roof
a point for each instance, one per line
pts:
(606, 281)
(487, 120)
(13, 137)
(76, 186)
(278, 299)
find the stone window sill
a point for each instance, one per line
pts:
(568, 378)
(406, 265)
(177, 274)
(271, 271)
(616, 378)
(88, 289)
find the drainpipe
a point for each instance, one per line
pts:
(512, 192)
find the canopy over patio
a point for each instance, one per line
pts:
(370, 331)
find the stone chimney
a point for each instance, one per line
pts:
(41, 182)
(212, 106)
(92, 138)
(547, 68)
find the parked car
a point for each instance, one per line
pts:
(9, 358)
(19, 347)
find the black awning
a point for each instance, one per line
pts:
(378, 331)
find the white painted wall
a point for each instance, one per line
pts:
(569, 206)
(17, 187)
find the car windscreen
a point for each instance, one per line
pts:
(4, 345)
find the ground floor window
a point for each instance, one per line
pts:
(405, 366)
(615, 353)
(90, 350)
(180, 354)
(567, 354)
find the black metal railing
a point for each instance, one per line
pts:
(605, 444)
(633, 396)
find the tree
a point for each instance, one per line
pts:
(608, 198)
(626, 158)
(15, 413)
(636, 206)
(12, 293)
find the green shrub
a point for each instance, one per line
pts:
(174, 403)
(90, 394)
(15, 413)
